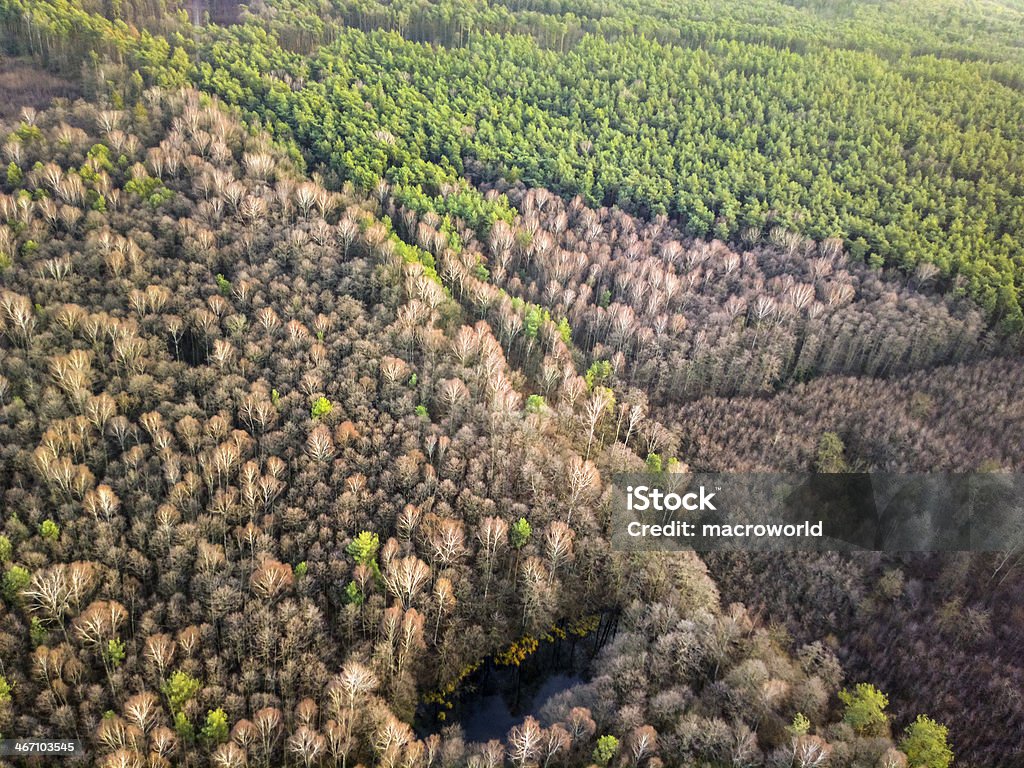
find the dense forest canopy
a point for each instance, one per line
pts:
(909, 152)
(325, 326)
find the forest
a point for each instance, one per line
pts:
(324, 329)
(906, 148)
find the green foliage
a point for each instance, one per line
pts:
(353, 594)
(5, 549)
(412, 254)
(598, 373)
(565, 331)
(150, 189)
(301, 569)
(925, 744)
(15, 580)
(49, 530)
(275, 397)
(28, 133)
(14, 174)
(535, 404)
(183, 727)
(114, 653)
(520, 533)
(363, 549)
(653, 463)
(223, 284)
(179, 688)
(607, 747)
(865, 709)
(321, 407)
(801, 726)
(421, 412)
(533, 319)
(413, 381)
(831, 454)
(99, 154)
(609, 393)
(37, 632)
(215, 730)
(5, 690)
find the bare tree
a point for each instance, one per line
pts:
(558, 539)
(525, 743)
(306, 745)
(493, 537)
(405, 577)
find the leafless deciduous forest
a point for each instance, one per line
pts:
(281, 467)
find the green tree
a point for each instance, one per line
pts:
(321, 407)
(535, 404)
(363, 550)
(14, 175)
(607, 747)
(565, 331)
(653, 463)
(520, 533)
(15, 580)
(37, 632)
(49, 530)
(114, 653)
(179, 689)
(223, 284)
(532, 321)
(364, 547)
(5, 690)
(598, 373)
(925, 744)
(865, 709)
(215, 730)
(800, 726)
(353, 594)
(5, 549)
(183, 727)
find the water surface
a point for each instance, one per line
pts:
(491, 715)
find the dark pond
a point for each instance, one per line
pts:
(492, 700)
(491, 715)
